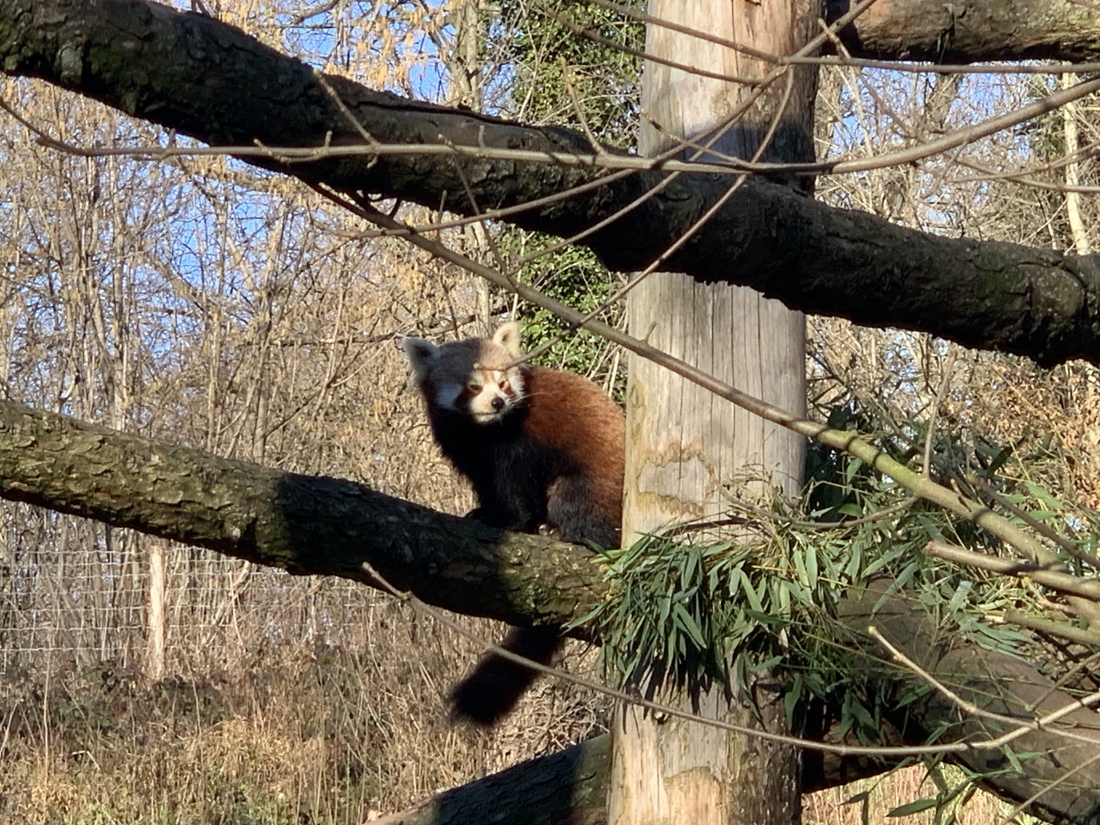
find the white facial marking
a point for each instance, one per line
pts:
(481, 406)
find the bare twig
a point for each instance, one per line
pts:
(948, 369)
(1019, 728)
(1062, 629)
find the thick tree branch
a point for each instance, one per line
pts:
(973, 31)
(571, 787)
(970, 31)
(566, 787)
(187, 72)
(998, 684)
(302, 524)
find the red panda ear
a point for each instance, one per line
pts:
(508, 337)
(421, 354)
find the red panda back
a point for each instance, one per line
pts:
(586, 433)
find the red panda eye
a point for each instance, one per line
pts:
(474, 387)
(504, 384)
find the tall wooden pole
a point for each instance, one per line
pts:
(684, 444)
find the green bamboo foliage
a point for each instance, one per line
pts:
(689, 612)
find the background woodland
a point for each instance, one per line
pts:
(195, 299)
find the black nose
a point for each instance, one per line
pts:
(498, 403)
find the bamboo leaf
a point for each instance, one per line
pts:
(914, 807)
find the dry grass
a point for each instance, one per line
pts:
(305, 736)
(301, 736)
(870, 800)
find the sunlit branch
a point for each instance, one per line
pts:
(1044, 722)
(1042, 574)
(1024, 177)
(847, 60)
(1018, 730)
(1064, 630)
(850, 442)
(1055, 783)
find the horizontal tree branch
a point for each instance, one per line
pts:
(570, 787)
(973, 31)
(209, 80)
(307, 525)
(970, 31)
(567, 787)
(313, 525)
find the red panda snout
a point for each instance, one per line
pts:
(487, 401)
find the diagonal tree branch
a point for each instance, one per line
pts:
(210, 81)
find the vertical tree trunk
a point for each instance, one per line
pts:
(685, 444)
(463, 61)
(1070, 115)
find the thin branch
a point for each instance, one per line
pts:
(687, 234)
(1044, 530)
(1052, 628)
(948, 369)
(848, 441)
(1044, 723)
(1065, 777)
(1041, 574)
(845, 60)
(1020, 729)
(600, 40)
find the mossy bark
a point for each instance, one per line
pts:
(307, 525)
(316, 525)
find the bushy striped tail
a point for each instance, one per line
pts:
(496, 684)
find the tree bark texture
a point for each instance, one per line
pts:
(570, 787)
(327, 526)
(565, 788)
(972, 30)
(1021, 692)
(685, 446)
(208, 80)
(303, 524)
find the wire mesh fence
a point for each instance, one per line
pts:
(75, 593)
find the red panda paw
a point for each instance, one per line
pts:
(549, 530)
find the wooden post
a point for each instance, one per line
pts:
(684, 444)
(154, 649)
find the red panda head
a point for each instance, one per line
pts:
(477, 377)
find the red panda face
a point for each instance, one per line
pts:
(489, 394)
(477, 378)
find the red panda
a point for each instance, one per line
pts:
(544, 450)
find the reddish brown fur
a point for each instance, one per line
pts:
(574, 417)
(552, 456)
(542, 447)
